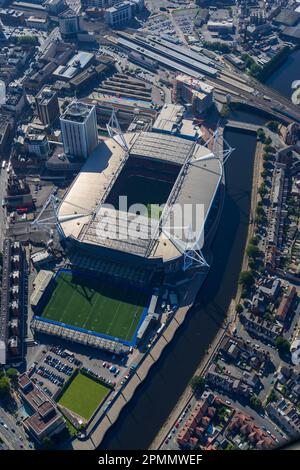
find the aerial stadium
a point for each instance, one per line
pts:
(130, 246)
(148, 168)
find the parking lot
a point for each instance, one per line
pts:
(54, 365)
(54, 369)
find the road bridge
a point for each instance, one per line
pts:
(245, 126)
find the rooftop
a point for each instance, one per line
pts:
(80, 211)
(45, 95)
(78, 62)
(161, 146)
(169, 118)
(77, 112)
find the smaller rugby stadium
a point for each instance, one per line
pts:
(85, 304)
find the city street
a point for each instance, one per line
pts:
(3, 182)
(12, 434)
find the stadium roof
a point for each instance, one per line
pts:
(80, 212)
(161, 147)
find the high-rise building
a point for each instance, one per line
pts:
(47, 105)
(79, 129)
(119, 14)
(69, 23)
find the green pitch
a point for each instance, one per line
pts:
(88, 303)
(83, 396)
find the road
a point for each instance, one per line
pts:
(3, 182)
(12, 434)
(55, 34)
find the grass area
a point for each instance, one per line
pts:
(83, 395)
(88, 303)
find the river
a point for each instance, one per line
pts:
(282, 79)
(145, 414)
(142, 418)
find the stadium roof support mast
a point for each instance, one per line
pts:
(220, 147)
(115, 132)
(193, 255)
(53, 203)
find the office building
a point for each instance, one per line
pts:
(54, 7)
(45, 420)
(68, 23)
(119, 14)
(192, 91)
(47, 105)
(79, 129)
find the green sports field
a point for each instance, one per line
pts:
(83, 396)
(91, 304)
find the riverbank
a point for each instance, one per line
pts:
(256, 182)
(231, 314)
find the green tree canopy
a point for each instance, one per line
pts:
(253, 251)
(239, 308)
(197, 384)
(255, 403)
(246, 279)
(273, 126)
(283, 345)
(12, 374)
(4, 386)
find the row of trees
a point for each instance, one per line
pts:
(27, 40)
(217, 46)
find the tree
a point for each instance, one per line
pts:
(252, 263)
(4, 386)
(29, 40)
(239, 308)
(216, 46)
(221, 414)
(264, 174)
(261, 134)
(262, 190)
(47, 442)
(246, 279)
(283, 345)
(267, 157)
(197, 384)
(253, 251)
(255, 403)
(271, 397)
(273, 126)
(268, 141)
(268, 147)
(230, 446)
(254, 240)
(12, 374)
(260, 210)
